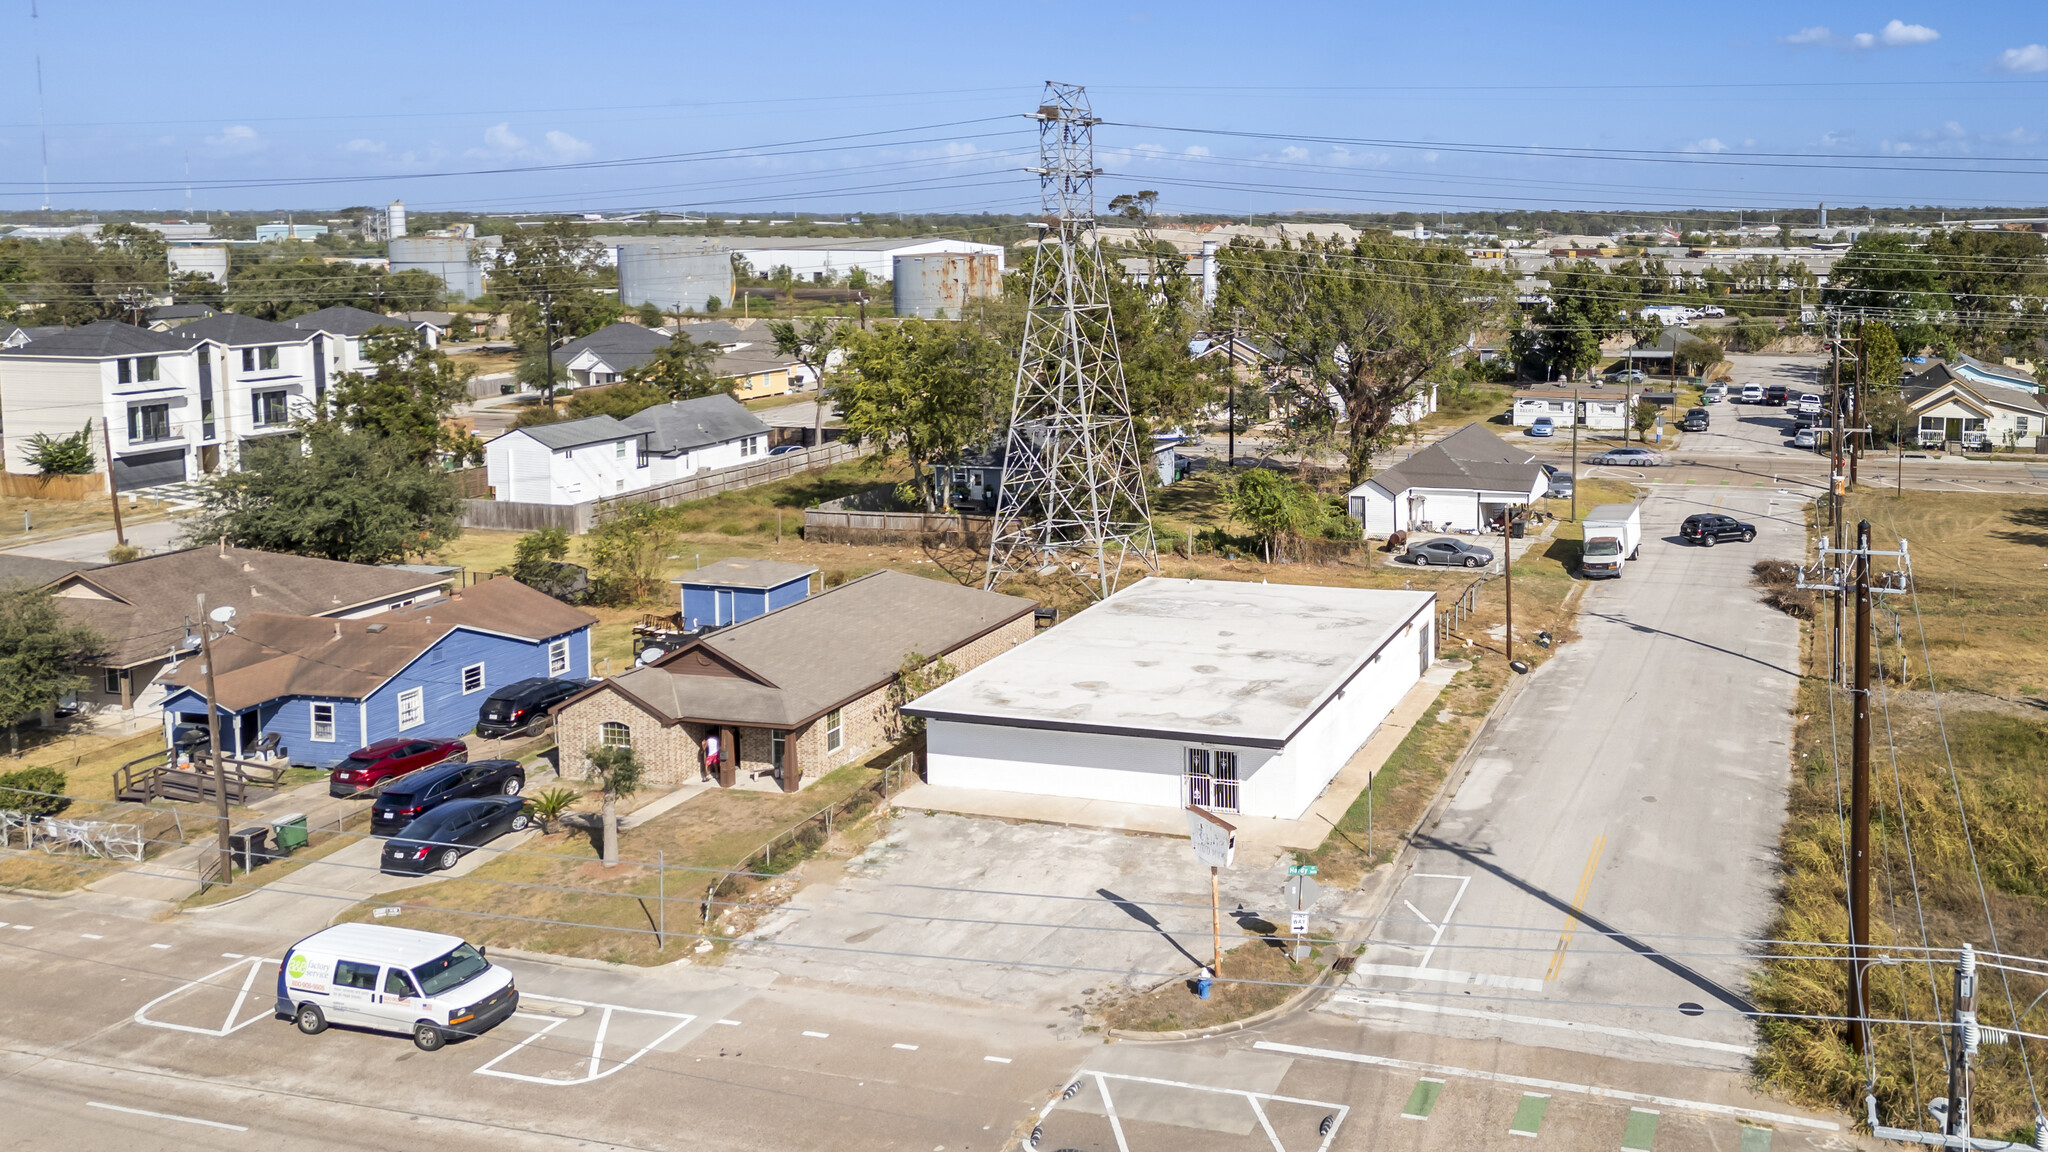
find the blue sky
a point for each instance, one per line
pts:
(1230, 108)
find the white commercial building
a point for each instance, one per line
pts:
(599, 456)
(1234, 697)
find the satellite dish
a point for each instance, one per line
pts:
(649, 655)
(222, 614)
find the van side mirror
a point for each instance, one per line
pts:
(483, 952)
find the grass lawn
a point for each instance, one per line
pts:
(1257, 975)
(1978, 562)
(575, 906)
(58, 517)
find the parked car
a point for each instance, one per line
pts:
(1775, 395)
(1449, 552)
(1714, 394)
(1713, 310)
(1627, 376)
(1809, 403)
(1543, 427)
(1804, 420)
(524, 703)
(441, 837)
(1695, 420)
(1752, 393)
(785, 449)
(1631, 457)
(387, 760)
(375, 976)
(1805, 438)
(1560, 481)
(402, 801)
(1707, 529)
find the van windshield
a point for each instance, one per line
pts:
(457, 967)
(1603, 546)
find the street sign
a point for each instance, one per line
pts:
(1301, 893)
(1301, 869)
(1215, 841)
(1297, 923)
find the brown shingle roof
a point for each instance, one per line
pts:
(272, 654)
(820, 653)
(142, 607)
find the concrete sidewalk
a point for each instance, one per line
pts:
(1306, 833)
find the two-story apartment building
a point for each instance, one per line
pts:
(338, 340)
(266, 375)
(157, 393)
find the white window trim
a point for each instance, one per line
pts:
(313, 724)
(558, 658)
(419, 704)
(477, 668)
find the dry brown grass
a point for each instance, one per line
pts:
(1973, 561)
(1257, 975)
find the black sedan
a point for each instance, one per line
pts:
(1449, 552)
(524, 704)
(405, 800)
(1707, 529)
(439, 839)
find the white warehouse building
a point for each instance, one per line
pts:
(1229, 696)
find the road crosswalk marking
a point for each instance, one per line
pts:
(1640, 1130)
(1529, 1114)
(1422, 1101)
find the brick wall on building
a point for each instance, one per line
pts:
(674, 755)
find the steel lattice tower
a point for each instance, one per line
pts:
(1073, 490)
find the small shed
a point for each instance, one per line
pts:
(735, 591)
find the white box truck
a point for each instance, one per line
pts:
(1613, 535)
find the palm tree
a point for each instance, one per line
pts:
(617, 771)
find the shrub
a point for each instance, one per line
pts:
(34, 792)
(551, 805)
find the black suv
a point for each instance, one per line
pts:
(1707, 529)
(1775, 395)
(402, 802)
(524, 704)
(1695, 420)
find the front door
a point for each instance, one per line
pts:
(397, 1003)
(1954, 429)
(721, 599)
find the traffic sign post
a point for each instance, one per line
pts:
(1215, 842)
(1301, 869)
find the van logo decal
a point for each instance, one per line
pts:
(298, 967)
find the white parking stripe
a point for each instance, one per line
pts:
(1553, 1085)
(997, 1059)
(1545, 1022)
(163, 946)
(730, 1023)
(905, 1047)
(165, 1116)
(90, 936)
(819, 1035)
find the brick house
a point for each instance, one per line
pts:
(798, 692)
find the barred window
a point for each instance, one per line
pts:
(613, 734)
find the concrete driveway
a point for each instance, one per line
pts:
(309, 899)
(1592, 882)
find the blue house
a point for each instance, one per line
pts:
(735, 591)
(325, 687)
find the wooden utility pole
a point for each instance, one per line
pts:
(107, 439)
(1835, 499)
(1215, 923)
(1859, 804)
(1507, 570)
(213, 756)
(1856, 399)
(1575, 455)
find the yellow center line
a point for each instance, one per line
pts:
(1571, 922)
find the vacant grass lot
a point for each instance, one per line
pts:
(1981, 601)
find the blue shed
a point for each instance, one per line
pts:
(326, 687)
(735, 591)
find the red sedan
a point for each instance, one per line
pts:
(386, 760)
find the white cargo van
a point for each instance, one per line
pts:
(430, 986)
(1613, 534)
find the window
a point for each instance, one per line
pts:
(612, 734)
(266, 359)
(349, 974)
(397, 983)
(323, 723)
(412, 708)
(125, 371)
(113, 681)
(271, 409)
(248, 359)
(619, 450)
(2021, 425)
(472, 679)
(558, 658)
(145, 368)
(148, 422)
(834, 736)
(778, 749)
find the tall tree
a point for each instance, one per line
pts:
(407, 396)
(41, 651)
(812, 345)
(339, 493)
(1887, 274)
(1880, 355)
(682, 369)
(1357, 325)
(617, 772)
(924, 390)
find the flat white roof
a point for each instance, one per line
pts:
(380, 944)
(1211, 660)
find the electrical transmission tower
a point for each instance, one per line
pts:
(1073, 489)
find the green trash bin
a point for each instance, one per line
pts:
(289, 832)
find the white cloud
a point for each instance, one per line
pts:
(1953, 130)
(1863, 40)
(236, 138)
(501, 138)
(1293, 153)
(368, 147)
(1835, 139)
(2019, 61)
(1899, 34)
(1710, 144)
(1818, 34)
(567, 147)
(1195, 150)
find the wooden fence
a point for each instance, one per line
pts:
(471, 483)
(511, 516)
(851, 526)
(92, 486)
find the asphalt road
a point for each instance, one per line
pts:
(1591, 883)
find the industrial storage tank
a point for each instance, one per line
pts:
(209, 260)
(945, 282)
(455, 260)
(674, 274)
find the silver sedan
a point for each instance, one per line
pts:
(1449, 552)
(1628, 457)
